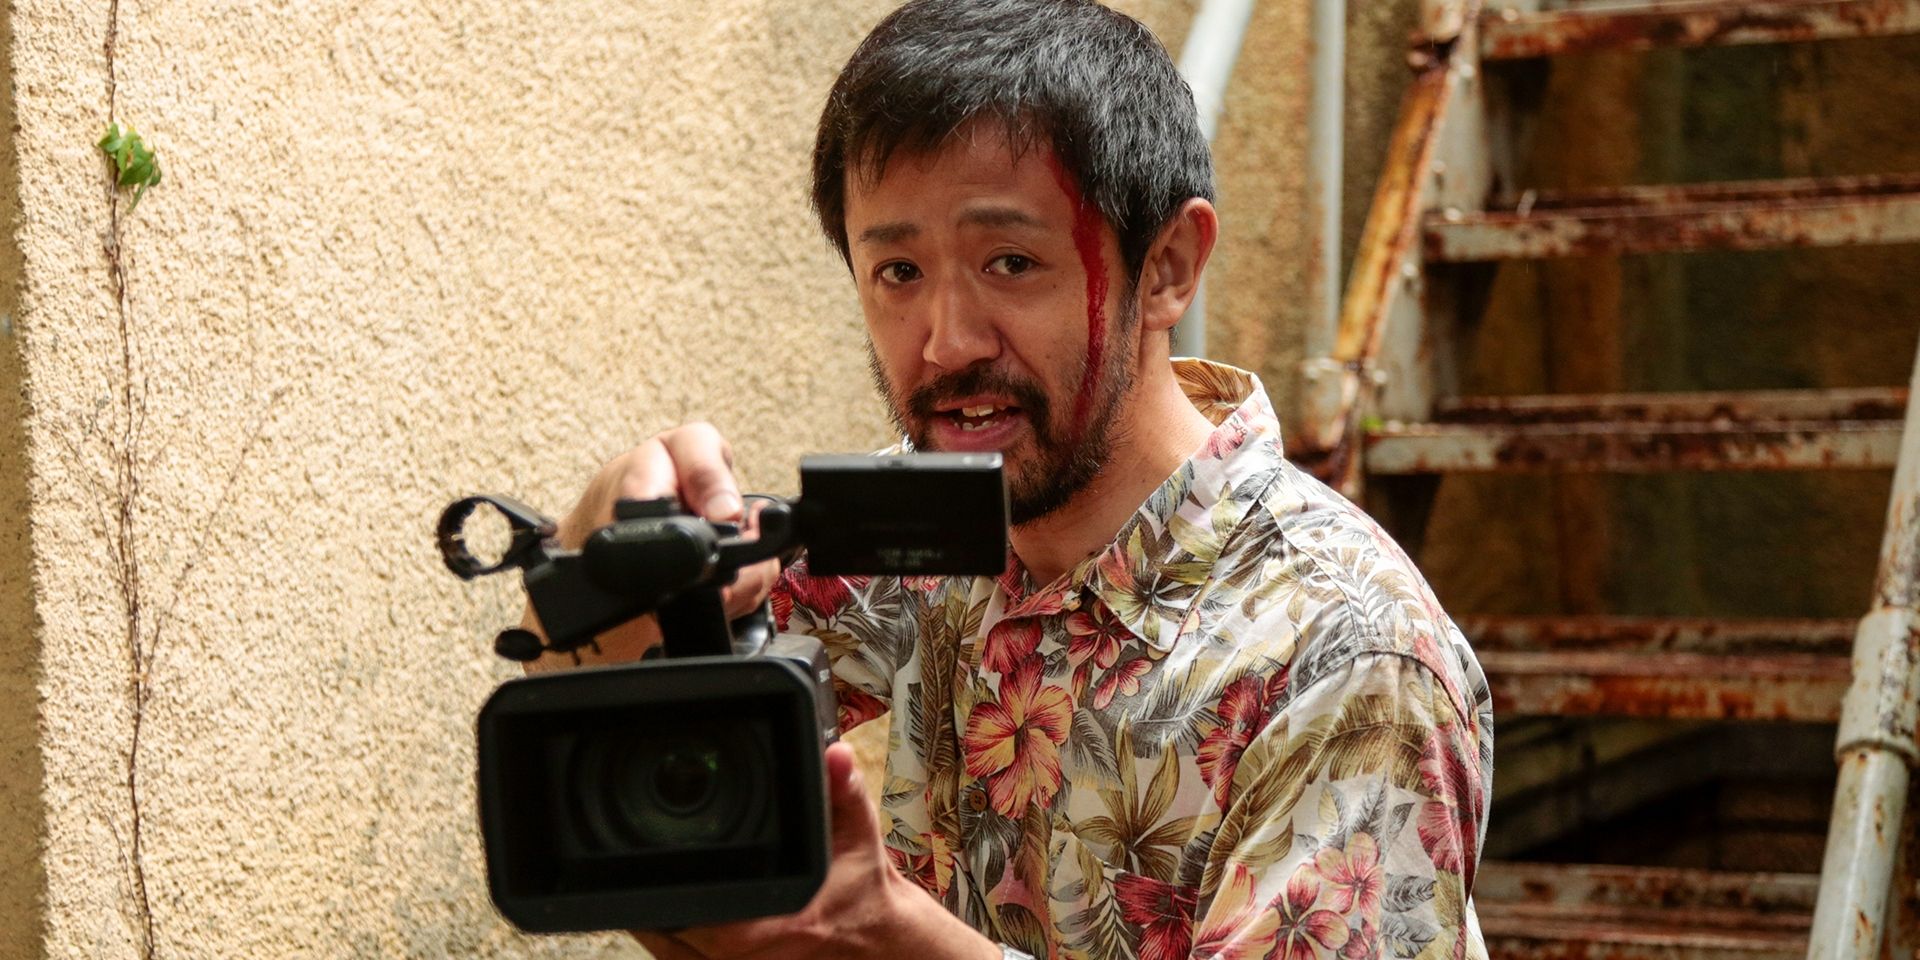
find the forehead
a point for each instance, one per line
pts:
(978, 164)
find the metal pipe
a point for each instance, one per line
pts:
(1876, 746)
(1326, 158)
(1855, 877)
(1206, 61)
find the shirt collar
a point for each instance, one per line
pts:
(1150, 575)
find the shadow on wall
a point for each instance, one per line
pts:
(22, 815)
(21, 812)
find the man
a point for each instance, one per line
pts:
(1209, 709)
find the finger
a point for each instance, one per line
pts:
(752, 587)
(643, 473)
(647, 473)
(704, 464)
(666, 946)
(855, 823)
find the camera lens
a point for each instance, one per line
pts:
(671, 789)
(686, 778)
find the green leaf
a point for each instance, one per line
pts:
(134, 163)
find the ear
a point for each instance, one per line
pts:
(1170, 277)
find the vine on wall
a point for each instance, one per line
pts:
(124, 432)
(124, 496)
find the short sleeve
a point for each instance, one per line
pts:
(866, 624)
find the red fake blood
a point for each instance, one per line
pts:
(1087, 240)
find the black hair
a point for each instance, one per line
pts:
(1092, 83)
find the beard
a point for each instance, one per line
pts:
(1066, 458)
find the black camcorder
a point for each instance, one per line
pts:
(689, 789)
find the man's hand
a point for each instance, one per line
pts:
(865, 908)
(692, 463)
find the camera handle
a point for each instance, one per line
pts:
(653, 557)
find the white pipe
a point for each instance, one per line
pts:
(1876, 746)
(1326, 131)
(1206, 62)
(1850, 916)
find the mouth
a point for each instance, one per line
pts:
(977, 417)
(976, 424)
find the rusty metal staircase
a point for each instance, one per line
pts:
(1383, 419)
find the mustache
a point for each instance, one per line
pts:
(976, 380)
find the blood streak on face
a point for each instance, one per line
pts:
(1087, 222)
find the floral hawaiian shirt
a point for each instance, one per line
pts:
(1243, 729)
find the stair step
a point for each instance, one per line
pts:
(1838, 404)
(1639, 433)
(1749, 215)
(1682, 669)
(1693, 635)
(1678, 686)
(1537, 911)
(1699, 23)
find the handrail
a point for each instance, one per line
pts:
(1876, 747)
(1388, 254)
(1384, 282)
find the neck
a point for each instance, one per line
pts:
(1158, 430)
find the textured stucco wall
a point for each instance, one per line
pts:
(402, 252)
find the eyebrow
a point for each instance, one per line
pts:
(889, 232)
(899, 230)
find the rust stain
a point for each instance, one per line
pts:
(1633, 446)
(1392, 230)
(1733, 216)
(1762, 694)
(1492, 633)
(1717, 409)
(1760, 448)
(1535, 910)
(1699, 25)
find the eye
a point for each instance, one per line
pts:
(1011, 264)
(898, 271)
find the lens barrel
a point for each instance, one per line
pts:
(658, 795)
(667, 788)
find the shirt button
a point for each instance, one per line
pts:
(976, 799)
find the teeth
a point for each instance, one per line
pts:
(984, 411)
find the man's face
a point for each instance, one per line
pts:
(999, 313)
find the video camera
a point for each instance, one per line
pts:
(690, 790)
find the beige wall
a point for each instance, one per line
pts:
(403, 252)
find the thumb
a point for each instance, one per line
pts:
(855, 823)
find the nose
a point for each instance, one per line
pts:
(959, 332)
